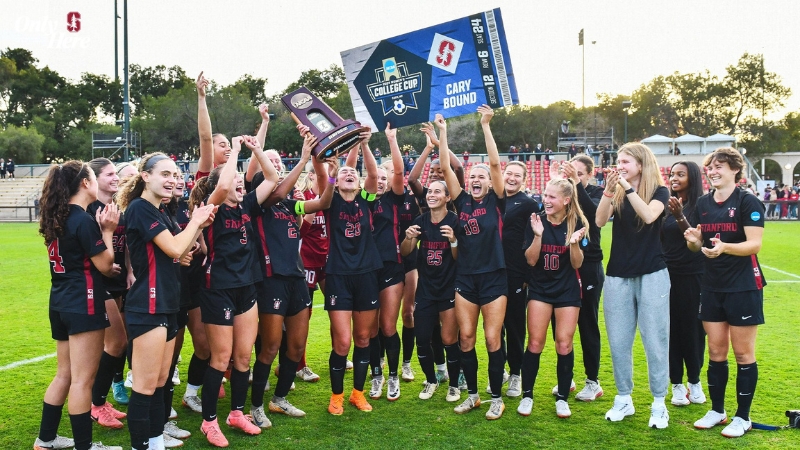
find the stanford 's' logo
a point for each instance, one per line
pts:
(73, 22)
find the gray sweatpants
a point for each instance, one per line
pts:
(643, 300)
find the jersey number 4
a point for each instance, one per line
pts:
(56, 259)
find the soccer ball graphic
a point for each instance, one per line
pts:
(399, 106)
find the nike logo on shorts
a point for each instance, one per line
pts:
(746, 317)
(452, 300)
(519, 290)
(590, 287)
(386, 281)
(375, 301)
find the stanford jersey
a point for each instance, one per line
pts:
(516, 219)
(119, 282)
(479, 233)
(75, 280)
(386, 225)
(352, 248)
(279, 240)
(437, 268)
(314, 248)
(553, 276)
(726, 221)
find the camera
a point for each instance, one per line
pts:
(794, 418)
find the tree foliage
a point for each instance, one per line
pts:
(23, 145)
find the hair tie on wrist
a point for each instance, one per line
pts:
(332, 180)
(629, 191)
(606, 194)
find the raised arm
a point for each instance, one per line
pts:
(453, 185)
(325, 198)
(264, 189)
(263, 109)
(397, 161)
(416, 171)
(371, 166)
(491, 149)
(285, 187)
(206, 161)
(227, 174)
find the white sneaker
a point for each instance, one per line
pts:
(506, 376)
(696, 394)
(173, 414)
(59, 442)
(171, 442)
(129, 380)
(408, 373)
(514, 386)
(171, 429)
(496, 409)
(393, 389)
(680, 396)
(623, 407)
(453, 394)
(468, 405)
(193, 402)
(427, 390)
(176, 380)
(308, 375)
(348, 365)
(525, 406)
(376, 389)
(562, 409)
(659, 417)
(571, 387)
(100, 446)
(590, 392)
(260, 418)
(282, 406)
(737, 428)
(711, 419)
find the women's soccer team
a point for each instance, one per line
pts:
(133, 265)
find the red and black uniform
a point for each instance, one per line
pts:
(314, 247)
(191, 276)
(552, 279)
(74, 306)
(409, 211)
(118, 285)
(386, 232)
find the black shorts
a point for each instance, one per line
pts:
(410, 261)
(118, 294)
(64, 324)
(183, 318)
(570, 297)
(314, 276)
(392, 273)
(737, 308)
(482, 288)
(352, 292)
(220, 306)
(138, 324)
(432, 307)
(284, 296)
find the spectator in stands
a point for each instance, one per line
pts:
(573, 150)
(466, 157)
(2, 169)
(512, 153)
(606, 157)
(548, 154)
(378, 156)
(770, 195)
(600, 178)
(526, 153)
(10, 168)
(360, 164)
(793, 197)
(676, 151)
(189, 186)
(539, 152)
(409, 165)
(783, 197)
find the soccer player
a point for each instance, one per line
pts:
(79, 251)
(554, 253)
(731, 223)
(481, 283)
(637, 285)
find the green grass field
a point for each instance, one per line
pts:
(410, 422)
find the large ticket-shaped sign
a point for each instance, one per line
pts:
(451, 69)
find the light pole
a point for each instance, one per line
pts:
(126, 129)
(583, 68)
(626, 105)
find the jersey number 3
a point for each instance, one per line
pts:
(56, 259)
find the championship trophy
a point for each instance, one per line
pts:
(334, 134)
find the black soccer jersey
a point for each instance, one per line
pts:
(635, 247)
(191, 276)
(279, 240)
(553, 275)
(157, 286)
(517, 217)
(386, 225)
(479, 233)
(119, 282)
(352, 248)
(726, 222)
(232, 259)
(680, 260)
(437, 268)
(75, 280)
(589, 197)
(409, 211)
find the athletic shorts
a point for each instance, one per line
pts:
(138, 324)
(183, 318)
(571, 297)
(392, 273)
(482, 288)
(220, 306)
(352, 292)
(64, 324)
(314, 276)
(410, 261)
(432, 307)
(118, 294)
(284, 296)
(737, 308)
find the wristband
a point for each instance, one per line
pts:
(606, 194)
(331, 180)
(454, 244)
(629, 191)
(300, 208)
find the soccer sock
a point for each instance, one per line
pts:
(564, 367)
(530, 368)
(51, 417)
(257, 344)
(426, 361)
(139, 419)
(260, 380)
(119, 367)
(157, 442)
(169, 391)
(286, 374)
(497, 362)
(469, 363)
(746, 380)
(102, 381)
(336, 366)
(240, 382)
(392, 353)
(717, 382)
(211, 383)
(408, 344)
(382, 343)
(157, 412)
(453, 362)
(196, 373)
(436, 344)
(361, 356)
(81, 430)
(374, 356)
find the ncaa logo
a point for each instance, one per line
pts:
(445, 52)
(755, 216)
(390, 69)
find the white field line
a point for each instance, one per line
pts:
(781, 271)
(27, 361)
